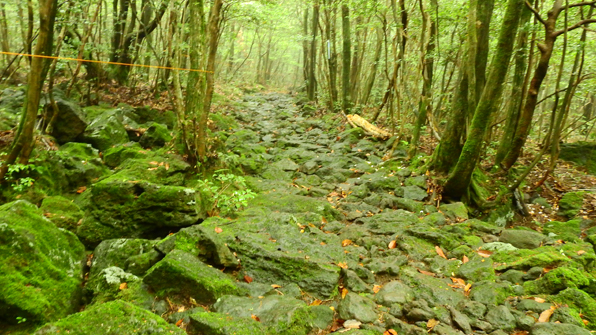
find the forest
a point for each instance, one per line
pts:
(298, 167)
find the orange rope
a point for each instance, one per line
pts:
(102, 62)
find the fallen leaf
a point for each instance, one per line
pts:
(248, 279)
(585, 321)
(181, 309)
(123, 286)
(467, 289)
(167, 166)
(343, 265)
(323, 220)
(540, 300)
(276, 286)
(82, 189)
(484, 253)
(345, 243)
(390, 332)
(545, 316)
(459, 281)
(179, 322)
(344, 292)
(440, 251)
(426, 273)
(465, 259)
(323, 243)
(377, 288)
(256, 318)
(218, 230)
(392, 244)
(154, 163)
(432, 323)
(317, 302)
(352, 324)
(581, 252)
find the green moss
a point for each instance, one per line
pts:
(157, 135)
(115, 317)
(40, 266)
(556, 280)
(571, 203)
(579, 301)
(116, 155)
(193, 278)
(569, 231)
(523, 259)
(221, 324)
(62, 212)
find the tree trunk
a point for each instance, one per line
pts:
(346, 58)
(23, 142)
(459, 179)
(311, 86)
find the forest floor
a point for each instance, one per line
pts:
(337, 240)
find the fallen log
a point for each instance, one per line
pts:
(369, 129)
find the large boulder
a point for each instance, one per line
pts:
(182, 274)
(62, 212)
(105, 132)
(156, 136)
(41, 266)
(70, 121)
(581, 153)
(204, 323)
(115, 317)
(118, 207)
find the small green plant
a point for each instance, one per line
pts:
(21, 319)
(19, 175)
(218, 190)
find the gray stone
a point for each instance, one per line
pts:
(356, 307)
(156, 136)
(202, 323)
(498, 246)
(460, 320)
(474, 309)
(512, 276)
(501, 318)
(549, 328)
(394, 292)
(69, 123)
(455, 211)
(415, 193)
(353, 283)
(523, 239)
(105, 131)
(419, 310)
(532, 305)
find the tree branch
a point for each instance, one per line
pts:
(575, 26)
(585, 3)
(536, 14)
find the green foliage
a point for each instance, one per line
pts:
(217, 191)
(20, 176)
(21, 319)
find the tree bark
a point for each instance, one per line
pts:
(459, 180)
(346, 58)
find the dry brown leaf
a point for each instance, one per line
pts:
(167, 166)
(154, 163)
(392, 244)
(431, 324)
(465, 259)
(343, 265)
(218, 230)
(123, 286)
(256, 318)
(345, 243)
(317, 302)
(440, 251)
(467, 289)
(459, 281)
(426, 273)
(275, 286)
(248, 279)
(181, 309)
(82, 189)
(179, 322)
(585, 321)
(484, 253)
(581, 252)
(545, 316)
(377, 288)
(323, 220)
(323, 243)
(390, 332)
(344, 292)
(540, 300)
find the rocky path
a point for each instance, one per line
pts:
(335, 241)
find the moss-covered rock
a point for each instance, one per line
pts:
(157, 135)
(181, 273)
(523, 239)
(113, 157)
(490, 293)
(41, 266)
(556, 280)
(524, 259)
(201, 242)
(579, 301)
(571, 203)
(221, 324)
(105, 131)
(569, 231)
(115, 317)
(64, 213)
(118, 207)
(70, 121)
(477, 269)
(455, 211)
(581, 153)
(283, 315)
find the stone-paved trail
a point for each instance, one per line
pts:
(353, 237)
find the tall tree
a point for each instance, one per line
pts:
(346, 58)
(459, 179)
